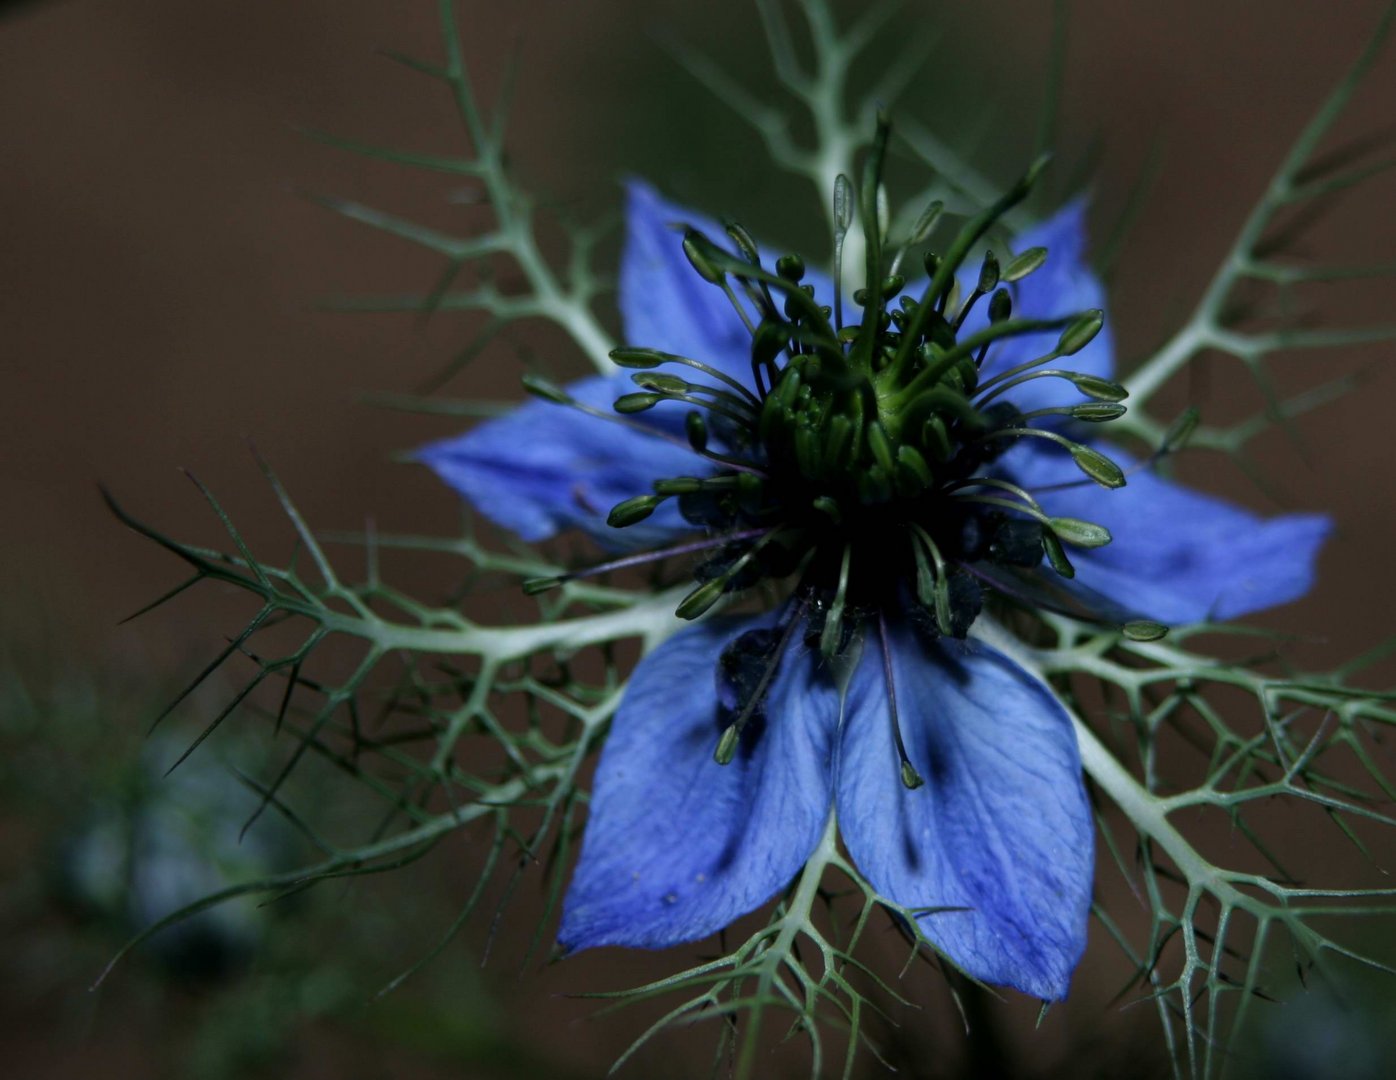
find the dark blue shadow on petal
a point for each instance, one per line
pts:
(1001, 829)
(678, 846)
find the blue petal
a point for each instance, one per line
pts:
(546, 467)
(677, 846)
(1064, 285)
(1177, 555)
(664, 303)
(1001, 827)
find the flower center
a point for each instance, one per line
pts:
(859, 456)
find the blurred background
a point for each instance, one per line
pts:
(161, 280)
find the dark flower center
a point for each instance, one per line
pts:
(862, 456)
(860, 460)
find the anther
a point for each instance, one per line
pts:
(661, 383)
(545, 388)
(628, 357)
(1082, 534)
(1092, 412)
(743, 239)
(694, 244)
(727, 745)
(988, 282)
(627, 404)
(1081, 332)
(1056, 554)
(988, 274)
(919, 231)
(633, 511)
(697, 430)
(1024, 264)
(1095, 387)
(911, 779)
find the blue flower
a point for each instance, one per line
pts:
(953, 772)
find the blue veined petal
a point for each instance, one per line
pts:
(1064, 285)
(1178, 555)
(546, 467)
(1001, 826)
(664, 303)
(677, 846)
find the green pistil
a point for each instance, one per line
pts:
(967, 238)
(935, 371)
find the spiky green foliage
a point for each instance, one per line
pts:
(448, 722)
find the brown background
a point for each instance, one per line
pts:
(159, 272)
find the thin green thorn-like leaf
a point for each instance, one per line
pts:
(233, 646)
(414, 64)
(411, 159)
(1324, 187)
(236, 536)
(296, 821)
(297, 522)
(217, 721)
(451, 247)
(486, 874)
(161, 600)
